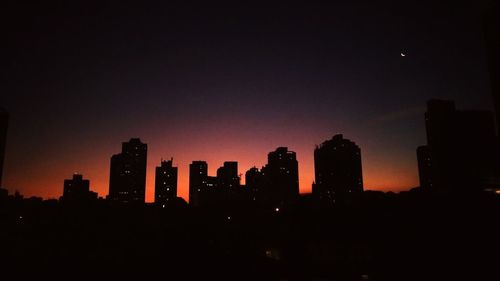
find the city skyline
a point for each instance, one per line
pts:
(461, 152)
(212, 170)
(304, 187)
(231, 83)
(239, 140)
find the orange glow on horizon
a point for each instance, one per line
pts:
(47, 180)
(40, 171)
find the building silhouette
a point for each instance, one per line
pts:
(425, 167)
(255, 184)
(127, 181)
(212, 194)
(165, 183)
(198, 182)
(337, 169)
(4, 120)
(228, 181)
(281, 176)
(77, 189)
(205, 190)
(462, 149)
(276, 183)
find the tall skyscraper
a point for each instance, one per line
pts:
(282, 176)
(228, 180)
(198, 177)
(337, 169)
(165, 183)
(77, 190)
(462, 149)
(4, 120)
(127, 181)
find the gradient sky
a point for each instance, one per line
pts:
(224, 82)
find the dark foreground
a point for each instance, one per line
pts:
(410, 236)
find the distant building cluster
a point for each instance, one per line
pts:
(276, 183)
(205, 190)
(337, 164)
(462, 155)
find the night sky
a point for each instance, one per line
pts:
(229, 81)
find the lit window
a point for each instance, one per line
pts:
(269, 253)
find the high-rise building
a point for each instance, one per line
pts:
(205, 190)
(165, 183)
(228, 180)
(198, 177)
(462, 149)
(4, 120)
(337, 169)
(127, 181)
(255, 184)
(77, 189)
(282, 176)
(212, 194)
